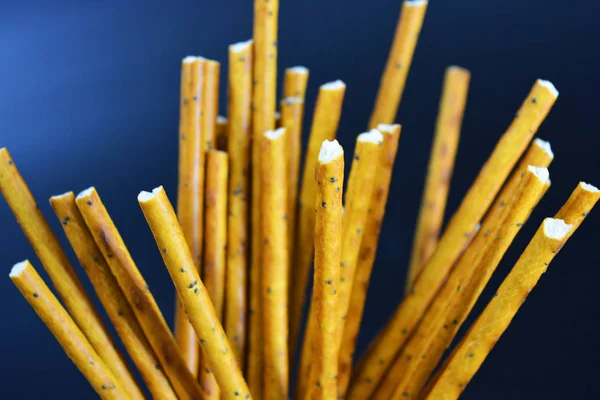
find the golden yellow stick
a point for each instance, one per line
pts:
(329, 176)
(398, 62)
(215, 234)
(112, 298)
(295, 81)
(138, 294)
(368, 249)
(264, 94)
(292, 109)
(176, 255)
(325, 122)
(470, 353)
(441, 165)
(579, 204)
(240, 99)
(477, 200)
(70, 337)
(190, 191)
(471, 273)
(275, 259)
(210, 99)
(356, 206)
(222, 133)
(61, 273)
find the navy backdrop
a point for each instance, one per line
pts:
(89, 96)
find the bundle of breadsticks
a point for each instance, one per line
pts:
(249, 225)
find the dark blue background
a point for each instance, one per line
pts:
(89, 96)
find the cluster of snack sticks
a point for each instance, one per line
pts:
(247, 231)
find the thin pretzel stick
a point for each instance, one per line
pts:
(264, 94)
(210, 107)
(275, 258)
(441, 165)
(325, 122)
(478, 199)
(398, 62)
(328, 251)
(368, 248)
(61, 273)
(295, 81)
(579, 205)
(110, 295)
(66, 332)
(292, 109)
(240, 98)
(470, 353)
(356, 206)
(357, 197)
(190, 190)
(471, 273)
(179, 262)
(138, 294)
(215, 234)
(221, 133)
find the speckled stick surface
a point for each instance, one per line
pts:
(295, 81)
(215, 242)
(265, 32)
(240, 98)
(70, 337)
(210, 106)
(329, 176)
(190, 189)
(470, 353)
(59, 269)
(275, 259)
(439, 172)
(111, 296)
(466, 281)
(368, 248)
(138, 294)
(509, 149)
(398, 63)
(326, 118)
(170, 241)
(579, 205)
(292, 110)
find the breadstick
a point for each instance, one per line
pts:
(477, 200)
(215, 234)
(176, 255)
(578, 206)
(240, 99)
(368, 248)
(264, 94)
(112, 298)
(398, 62)
(325, 122)
(138, 294)
(292, 109)
(328, 250)
(470, 353)
(471, 274)
(210, 98)
(275, 259)
(61, 273)
(190, 190)
(441, 165)
(70, 337)
(295, 81)
(221, 133)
